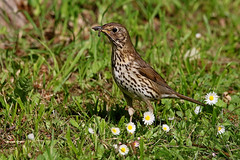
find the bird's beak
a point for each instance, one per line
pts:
(100, 29)
(97, 28)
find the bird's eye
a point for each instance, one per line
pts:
(114, 30)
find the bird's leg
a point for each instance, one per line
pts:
(131, 112)
(130, 106)
(150, 107)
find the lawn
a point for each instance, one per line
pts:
(58, 99)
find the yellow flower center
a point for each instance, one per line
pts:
(147, 117)
(164, 128)
(219, 128)
(211, 98)
(114, 130)
(123, 149)
(130, 127)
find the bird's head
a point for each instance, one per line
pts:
(116, 33)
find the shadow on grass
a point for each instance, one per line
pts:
(112, 113)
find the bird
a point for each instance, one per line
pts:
(136, 79)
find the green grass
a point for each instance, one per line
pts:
(55, 80)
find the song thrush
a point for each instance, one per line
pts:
(135, 78)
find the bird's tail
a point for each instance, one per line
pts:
(190, 99)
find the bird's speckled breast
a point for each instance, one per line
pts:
(129, 80)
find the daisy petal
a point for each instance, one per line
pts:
(165, 127)
(131, 127)
(123, 149)
(115, 130)
(197, 110)
(90, 130)
(148, 118)
(221, 129)
(211, 98)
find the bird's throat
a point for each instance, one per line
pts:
(122, 55)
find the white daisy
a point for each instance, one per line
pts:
(198, 109)
(115, 130)
(90, 130)
(136, 144)
(221, 129)
(165, 127)
(31, 136)
(211, 98)
(131, 127)
(123, 149)
(148, 118)
(198, 35)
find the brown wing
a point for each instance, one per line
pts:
(147, 71)
(150, 73)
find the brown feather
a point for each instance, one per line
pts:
(190, 99)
